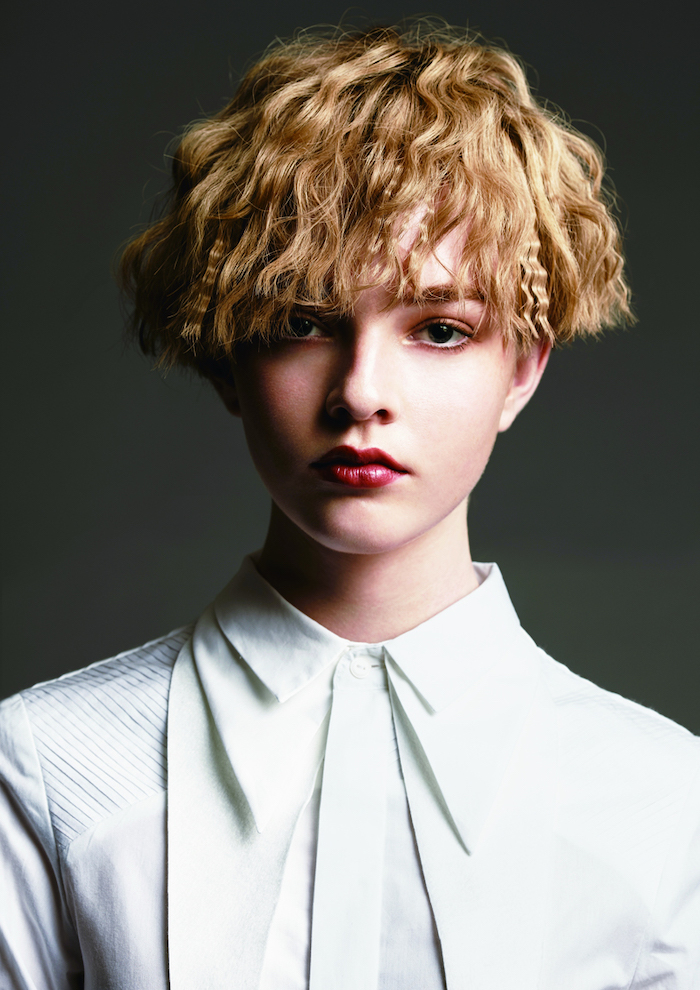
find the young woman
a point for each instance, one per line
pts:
(357, 770)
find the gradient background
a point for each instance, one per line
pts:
(130, 498)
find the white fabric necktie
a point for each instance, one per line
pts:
(346, 924)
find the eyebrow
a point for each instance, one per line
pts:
(443, 293)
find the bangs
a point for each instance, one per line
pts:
(342, 163)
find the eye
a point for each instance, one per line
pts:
(443, 335)
(301, 327)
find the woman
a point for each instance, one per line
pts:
(357, 770)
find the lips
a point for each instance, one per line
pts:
(369, 468)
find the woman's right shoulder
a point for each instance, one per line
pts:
(93, 739)
(134, 675)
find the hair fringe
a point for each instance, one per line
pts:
(298, 191)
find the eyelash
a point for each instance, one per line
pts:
(466, 335)
(287, 333)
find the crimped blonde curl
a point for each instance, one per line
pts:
(299, 191)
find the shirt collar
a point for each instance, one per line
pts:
(459, 685)
(442, 657)
(447, 655)
(477, 743)
(282, 646)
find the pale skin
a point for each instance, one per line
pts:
(414, 381)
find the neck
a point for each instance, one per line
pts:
(370, 597)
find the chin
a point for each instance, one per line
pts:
(374, 536)
(360, 544)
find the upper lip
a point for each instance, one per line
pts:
(352, 456)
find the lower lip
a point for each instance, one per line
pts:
(359, 475)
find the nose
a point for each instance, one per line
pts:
(364, 386)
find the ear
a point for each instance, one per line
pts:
(228, 394)
(529, 368)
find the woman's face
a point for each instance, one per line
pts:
(413, 399)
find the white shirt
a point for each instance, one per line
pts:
(548, 831)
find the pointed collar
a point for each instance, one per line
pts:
(442, 657)
(281, 645)
(449, 654)
(461, 685)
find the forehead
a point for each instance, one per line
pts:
(434, 278)
(440, 266)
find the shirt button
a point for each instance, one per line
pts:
(360, 667)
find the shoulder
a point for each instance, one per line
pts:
(627, 824)
(629, 778)
(127, 684)
(95, 737)
(597, 721)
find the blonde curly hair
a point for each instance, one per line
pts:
(299, 191)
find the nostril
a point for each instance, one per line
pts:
(344, 410)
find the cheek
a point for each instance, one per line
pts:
(460, 426)
(276, 401)
(280, 383)
(261, 390)
(462, 416)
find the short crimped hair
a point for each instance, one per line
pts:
(298, 193)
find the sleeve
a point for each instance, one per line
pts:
(38, 946)
(671, 957)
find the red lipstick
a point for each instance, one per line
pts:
(369, 468)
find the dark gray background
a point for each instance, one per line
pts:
(129, 499)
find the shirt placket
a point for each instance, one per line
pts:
(348, 886)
